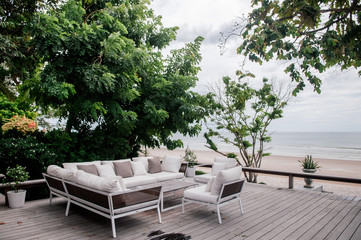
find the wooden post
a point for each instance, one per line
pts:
(290, 181)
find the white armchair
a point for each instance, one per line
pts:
(223, 189)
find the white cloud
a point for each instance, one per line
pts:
(337, 108)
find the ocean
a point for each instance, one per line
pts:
(330, 145)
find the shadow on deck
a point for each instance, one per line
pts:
(268, 213)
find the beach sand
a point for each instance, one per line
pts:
(342, 168)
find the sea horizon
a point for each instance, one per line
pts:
(328, 145)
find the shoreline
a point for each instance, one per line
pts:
(333, 167)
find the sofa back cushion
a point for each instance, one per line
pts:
(143, 160)
(217, 167)
(106, 171)
(138, 168)
(67, 174)
(171, 164)
(230, 162)
(98, 183)
(110, 162)
(154, 165)
(73, 165)
(225, 176)
(92, 169)
(123, 169)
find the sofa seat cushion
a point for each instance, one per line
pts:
(165, 176)
(139, 180)
(73, 165)
(200, 194)
(204, 178)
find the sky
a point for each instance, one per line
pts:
(336, 109)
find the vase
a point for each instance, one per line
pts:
(308, 181)
(191, 171)
(16, 199)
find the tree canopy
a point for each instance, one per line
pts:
(102, 67)
(311, 35)
(17, 57)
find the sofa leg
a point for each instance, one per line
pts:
(67, 208)
(219, 215)
(240, 204)
(183, 205)
(50, 199)
(113, 228)
(159, 216)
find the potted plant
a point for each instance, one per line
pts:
(191, 159)
(13, 177)
(309, 166)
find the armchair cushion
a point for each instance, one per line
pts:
(200, 194)
(204, 178)
(224, 176)
(230, 162)
(210, 184)
(217, 167)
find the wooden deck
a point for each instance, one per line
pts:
(270, 213)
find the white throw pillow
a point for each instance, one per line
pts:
(106, 171)
(143, 160)
(225, 176)
(217, 167)
(138, 168)
(210, 184)
(121, 182)
(171, 164)
(96, 182)
(230, 162)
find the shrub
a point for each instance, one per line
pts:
(21, 124)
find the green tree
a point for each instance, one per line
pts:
(17, 56)
(103, 65)
(311, 35)
(242, 115)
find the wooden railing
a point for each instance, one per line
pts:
(292, 175)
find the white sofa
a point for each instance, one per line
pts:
(100, 187)
(170, 168)
(218, 165)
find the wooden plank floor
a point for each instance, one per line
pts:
(269, 213)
